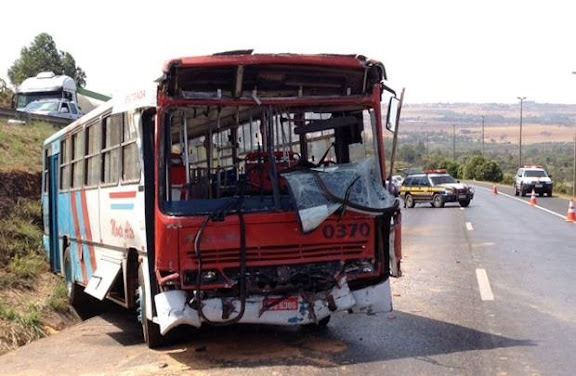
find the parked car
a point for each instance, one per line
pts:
(436, 187)
(533, 177)
(395, 184)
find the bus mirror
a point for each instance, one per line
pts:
(392, 116)
(13, 101)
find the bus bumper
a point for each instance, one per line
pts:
(173, 308)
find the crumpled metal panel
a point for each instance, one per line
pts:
(319, 192)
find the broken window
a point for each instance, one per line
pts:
(220, 156)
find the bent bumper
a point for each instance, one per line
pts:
(173, 309)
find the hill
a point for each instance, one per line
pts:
(542, 122)
(32, 300)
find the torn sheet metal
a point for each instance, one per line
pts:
(373, 299)
(173, 310)
(102, 279)
(319, 192)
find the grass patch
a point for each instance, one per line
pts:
(31, 319)
(21, 238)
(25, 327)
(58, 301)
(21, 146)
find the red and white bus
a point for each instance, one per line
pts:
(241, 188)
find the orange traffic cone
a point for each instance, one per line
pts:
(571, 216)
(495, 190)
(533, 198)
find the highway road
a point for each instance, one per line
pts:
(487, 290)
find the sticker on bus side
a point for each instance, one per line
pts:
(281, 304)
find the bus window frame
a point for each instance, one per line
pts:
(65, 162)
(104, 150)
(97, 154)
(77, 160)
(123, 145)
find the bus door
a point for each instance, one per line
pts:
(52, 163)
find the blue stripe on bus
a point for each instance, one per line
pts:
(65, 227)
(121, 206)
(82, 226)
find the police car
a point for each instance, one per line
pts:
(533, 177)
(436, 187)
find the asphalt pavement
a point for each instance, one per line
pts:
(487, 290)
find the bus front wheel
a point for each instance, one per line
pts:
(150, 329)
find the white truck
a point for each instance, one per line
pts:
(48, 94)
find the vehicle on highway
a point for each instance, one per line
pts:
(240, 188)
(45, 85)
(533, 177)
(436, 187)
(54, 107)
(395, 184)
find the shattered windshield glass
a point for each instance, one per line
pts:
(319, 192)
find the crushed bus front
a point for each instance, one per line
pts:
(271, 206)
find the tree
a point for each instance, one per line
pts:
(471, 167)
(5, 94)
(42, 56)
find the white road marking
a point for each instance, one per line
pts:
(485, 244)
(461, 208)
(525, 202)
(469, 226)
(484, 285)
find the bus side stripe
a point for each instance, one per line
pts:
(85, 248)
(88, 230)
(78, 235)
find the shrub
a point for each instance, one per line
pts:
(489, 171)
(508, 179)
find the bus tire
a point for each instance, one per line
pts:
(75, 292)
(150, 330)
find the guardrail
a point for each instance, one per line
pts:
(25, 117)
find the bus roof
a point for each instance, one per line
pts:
(132, 100)
(245, 57)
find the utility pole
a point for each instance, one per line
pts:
(574, 172)
(520, 144)
(482, 136)
(454, 142)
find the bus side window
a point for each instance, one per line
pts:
(112, 127)
(130, 156)
(65, 164)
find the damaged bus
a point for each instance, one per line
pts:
(241, 188)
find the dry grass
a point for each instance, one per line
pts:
(33, 301)
(21, 146)
(504, 134)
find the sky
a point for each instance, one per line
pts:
(489, 51)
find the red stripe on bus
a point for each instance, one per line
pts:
(78, 236)
(88, 231)
(129, 194)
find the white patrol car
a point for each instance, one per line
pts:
(535, 178)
